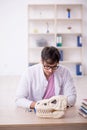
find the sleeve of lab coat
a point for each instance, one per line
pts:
(22, 93)
(69, 89)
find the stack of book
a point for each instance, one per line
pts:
(83, 108)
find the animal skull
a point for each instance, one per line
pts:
(51, 108)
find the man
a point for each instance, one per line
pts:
(44, 80)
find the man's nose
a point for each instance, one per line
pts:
(50, 70)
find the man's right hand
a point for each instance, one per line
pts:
(32, 106)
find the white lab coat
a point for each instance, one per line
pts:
(33, 84)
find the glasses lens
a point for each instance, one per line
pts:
(50, 67)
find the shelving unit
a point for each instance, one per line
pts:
(55, 23)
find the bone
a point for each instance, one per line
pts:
(53, 107)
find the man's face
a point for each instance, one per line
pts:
(49, 68)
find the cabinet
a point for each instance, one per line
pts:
(61, 26)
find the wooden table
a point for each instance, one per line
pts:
(13, 118)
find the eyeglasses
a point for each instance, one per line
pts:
(50, 67)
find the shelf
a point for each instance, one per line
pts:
(66, 62)
(40, 19)
(69, 19)
(62, 33)
(52, 19)
(60, 62)
(46, 34)
(73, 11)
(40, 48)
(41, 11)
(62, 47)
(70, 62)
(78, 76)
(47, 21)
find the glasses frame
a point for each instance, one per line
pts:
(50, 67)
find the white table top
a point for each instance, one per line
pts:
(19, 116)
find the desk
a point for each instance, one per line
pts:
(12, 118)
(19, 119)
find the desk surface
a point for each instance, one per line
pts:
(13, 118)
(19, 116)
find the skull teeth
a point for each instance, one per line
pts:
(44, 111)
(53, 107)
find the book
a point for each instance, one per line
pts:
(61, 55)
(79, 41)
(78, 69)
(83, 109)
(84, 105)
(82, 113)
(84, 101)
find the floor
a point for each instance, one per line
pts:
(8, 86)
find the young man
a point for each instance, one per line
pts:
(44, 80)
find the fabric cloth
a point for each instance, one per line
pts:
(50, 91)
(33, 85)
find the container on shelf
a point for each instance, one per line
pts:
(58, 40)
(41, 42)
(79, 41)
(78, 69)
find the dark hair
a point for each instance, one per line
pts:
(50, 54)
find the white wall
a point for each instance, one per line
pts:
(14, 34)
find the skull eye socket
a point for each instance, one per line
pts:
(45, 104)
(54, 102)
(38, 103)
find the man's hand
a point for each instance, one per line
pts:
(32, 106)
